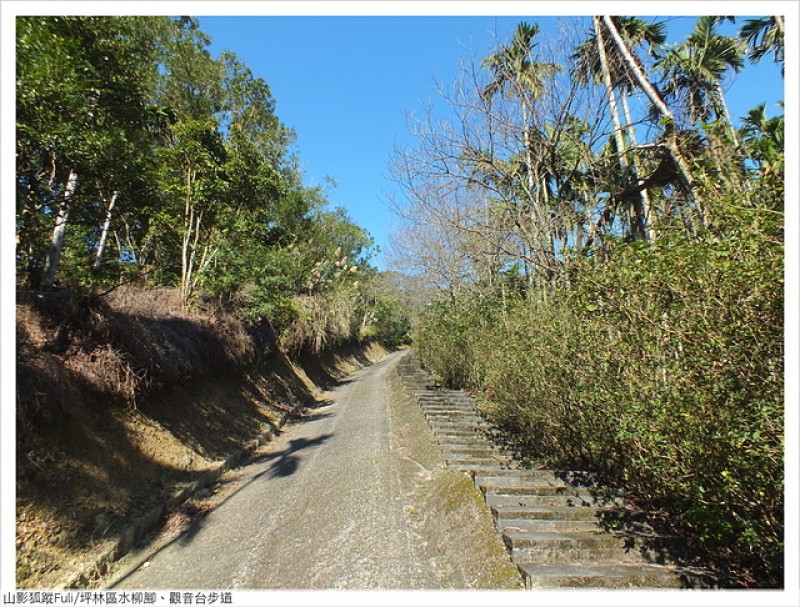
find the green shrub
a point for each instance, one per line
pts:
(660, 368)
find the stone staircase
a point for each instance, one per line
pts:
(551, 521)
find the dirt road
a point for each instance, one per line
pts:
(326, 507)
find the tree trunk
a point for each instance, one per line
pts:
(190, 235)
(636, 227)
(669, 129)
(779, 23)
(104, 233)
(644, 197)
(59, 232)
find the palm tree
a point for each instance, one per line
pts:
(762, 36)
(516, 75)
(764, 139)
(598, 59)
(639, 76)
(695, 70)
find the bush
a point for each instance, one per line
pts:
(660, 368)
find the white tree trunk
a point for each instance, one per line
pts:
(658, 102)
(59, 232)
(645, 196)
(612, 100)
(726, 115)
(104, 233)
(779, 23)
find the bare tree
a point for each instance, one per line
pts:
(508, 173)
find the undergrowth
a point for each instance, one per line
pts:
(661, 369)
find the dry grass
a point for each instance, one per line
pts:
(89, 462)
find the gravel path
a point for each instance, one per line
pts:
(323, 508)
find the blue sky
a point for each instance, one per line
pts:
(345, 84)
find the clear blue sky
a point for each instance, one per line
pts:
(344, 84)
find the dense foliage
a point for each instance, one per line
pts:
(620, 310)
(143, 159)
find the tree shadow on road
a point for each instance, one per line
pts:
(285, 463)
(288, 461)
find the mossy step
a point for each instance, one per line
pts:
(569, 513)
(495, 468)
(473, 422)
(535, 481)
(469, 468)
(445, 426)
(469, 464)
(554, 525)
(443, 395)
(554, 547)
(449, 408)
(449, 445)
(472, 413)
(602, 575)
(478, 458)
(465, 433)
(541, 501)
(548, 547)
(428, 403)
(450, 418)
(459, 441)
(480, 452)
(523, 475)
(466, 437)
(541, 489)
(445, 416)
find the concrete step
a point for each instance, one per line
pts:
(536, 488)
(479, 450)
(553, 547)
(550, 547)
(489, 469)
(446, 426)
(439, 395)
(459, 441)
(469, 468)
(448, 408)
(454, 417)
(467, 433)
(428, 412)
(524, 473)
(524, 478)
(439, 392)
(442, 421)
(549, 519)
(448, 445)
(476, 458)
(465, 442)
(554, 525)
(568, 513)
(541, 501)
(601, 575)
(450, 416)
(470, 464)
(442, 394)
(466, 437)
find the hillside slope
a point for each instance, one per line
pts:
(124, 401)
